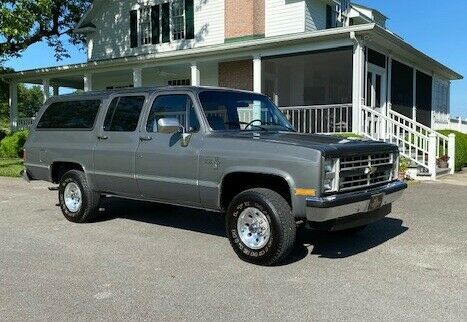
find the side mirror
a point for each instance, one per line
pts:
(172, 125)
(169, 125)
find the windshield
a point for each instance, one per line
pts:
(242, 112)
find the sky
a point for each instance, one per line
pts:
(438, 28)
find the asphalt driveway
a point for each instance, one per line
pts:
(149, 261)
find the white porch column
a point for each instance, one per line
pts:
(56, 90)
(432, 141)
(137, 77)
(46, 89)
(389, 93)
(257, 74)
(414, 108)
(358, 81)
(452, 152)
(13, 103)
(195, 75)
(87, 78)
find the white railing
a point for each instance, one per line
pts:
(442, 121)
(24, 123)
(322, 119)
(417, 142)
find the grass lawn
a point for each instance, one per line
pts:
(10, 167)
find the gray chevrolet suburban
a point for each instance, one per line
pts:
(217, 149)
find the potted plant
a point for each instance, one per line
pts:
(404, 164)
(442, 162)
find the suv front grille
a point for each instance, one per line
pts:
(365, 171)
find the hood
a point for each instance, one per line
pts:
(330, 146)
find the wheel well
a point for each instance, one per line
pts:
(58, 169)
(236, 182)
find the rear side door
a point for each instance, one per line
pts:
(165, 169)
(114, 154)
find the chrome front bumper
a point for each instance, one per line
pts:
(323, 209)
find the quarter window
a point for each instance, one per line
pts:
(123, 114)
(173, 106)
(70, 115)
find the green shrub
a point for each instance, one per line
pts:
(3, 134)
(12, 145)
(461, 148)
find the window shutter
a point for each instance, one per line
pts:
(133, 28)
(328, 17)
(155, 23)
(166, 22)
(190, 19)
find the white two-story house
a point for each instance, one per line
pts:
(331, 65)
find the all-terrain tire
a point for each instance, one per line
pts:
(281, 223)
(89, 206)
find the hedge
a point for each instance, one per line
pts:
(461, 148)
(12, 145)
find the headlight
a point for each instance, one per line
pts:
(331, 175)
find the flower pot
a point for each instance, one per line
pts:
(442, 164)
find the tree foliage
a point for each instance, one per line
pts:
(26, 22)
(29, 100)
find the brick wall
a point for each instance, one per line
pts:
(236, 74)
(244, 18)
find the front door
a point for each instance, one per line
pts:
(376, 87)
(166, 170)
(114, 154)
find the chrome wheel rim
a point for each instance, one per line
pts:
(253, 228)
(72, 196)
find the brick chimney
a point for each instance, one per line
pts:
(244, 18)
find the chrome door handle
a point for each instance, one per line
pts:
(102, 137)
(145, 138)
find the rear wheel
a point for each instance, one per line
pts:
(78, 202)
(260, 226)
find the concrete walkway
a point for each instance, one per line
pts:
(459, 179)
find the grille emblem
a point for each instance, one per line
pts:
(370, 170)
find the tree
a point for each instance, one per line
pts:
(29, 100)
(26, 22)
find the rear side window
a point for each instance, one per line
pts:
(123, 114)
(70, 115)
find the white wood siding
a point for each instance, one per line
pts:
(284, 17)
(112, 38)
(315, 15)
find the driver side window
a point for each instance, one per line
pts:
(179, 106)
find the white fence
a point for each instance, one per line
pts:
(442, 121)
(322, 119)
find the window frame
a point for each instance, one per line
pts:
(150, 5)
(96, 119)
(119, 95)
(200, 115)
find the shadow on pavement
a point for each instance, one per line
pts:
(332, 245)
(323, 244)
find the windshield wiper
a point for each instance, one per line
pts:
(246, 123)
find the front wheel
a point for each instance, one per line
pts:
(260, 226)
(79, 203)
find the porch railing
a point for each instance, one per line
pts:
(24, 123)
(321, 119)
(417, 142)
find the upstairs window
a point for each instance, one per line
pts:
(163, 22)
(333, 16)
(145, 25)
